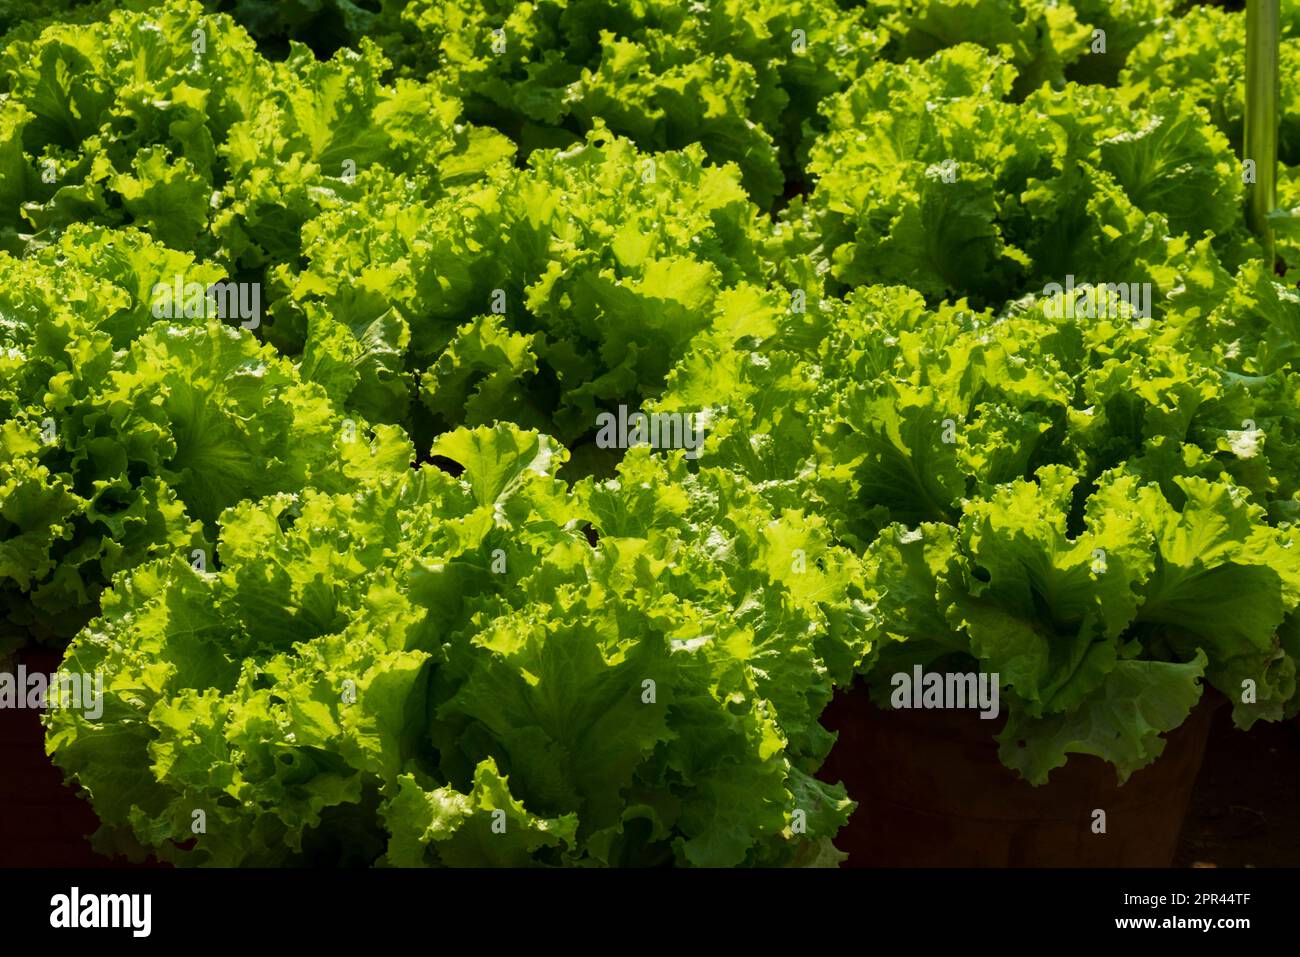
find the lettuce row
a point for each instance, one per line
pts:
(740, 79)
(925, 420)
(406, 265)
(1068, 502)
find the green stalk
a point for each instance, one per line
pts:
(1263, 30)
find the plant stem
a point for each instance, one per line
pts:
(1263, 29)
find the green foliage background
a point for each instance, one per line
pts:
(429, 603)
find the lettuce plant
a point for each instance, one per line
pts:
(1204, 53)
(178, 125)
(538, 296)
(125, 436)
(929, 176)
(431, 670)
(1098, 634)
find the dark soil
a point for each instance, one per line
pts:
(42, 822)
(1245, 811)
